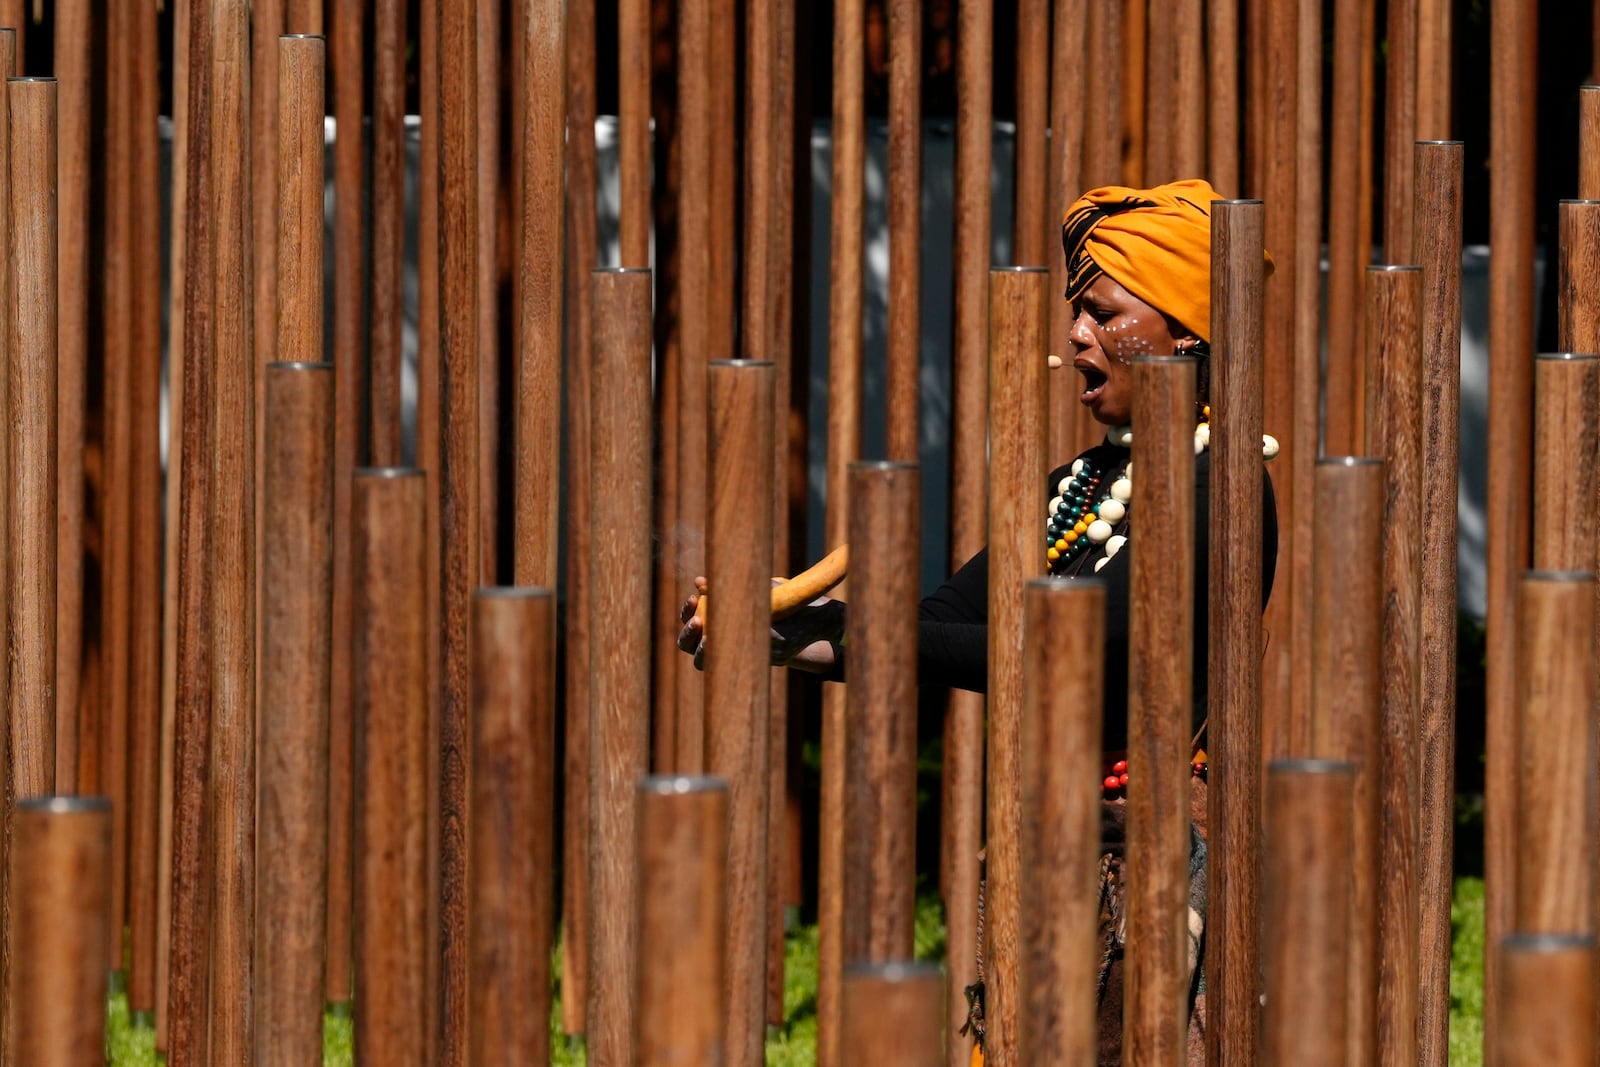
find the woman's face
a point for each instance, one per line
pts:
(1110, 326)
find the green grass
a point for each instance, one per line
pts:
(794, 1044)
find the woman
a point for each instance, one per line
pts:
(1139, 280)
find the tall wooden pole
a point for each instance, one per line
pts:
(1578, 310)
(1222, 98)
(1061, 822)
(390, 712)
(513, 828)
(1400, 91)
(1566, 432)
(1546, 1002)
(620, 683)
(268, 21)
(1017, 469)
(388, 228)
(1346, 694)
(1589, 142)
(492, 67)
(1434, 66)
(1069, 421)
(905, 228)
(1347, 241)
(1233, 672)
(633, 130)
(892, 1013)
(1031, 203)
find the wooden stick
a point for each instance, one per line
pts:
(830, 880)
(1547, 998)
(682, 855)
(1189, 151)
(513, 832)
(1578, 324)
(488, 63)
(1400, 91)
(388, 227)
(962, 812)
(1068, 419)
(892, 1013)
(756, 261)
(458, 501)
(739, 565)
(1307, 880)
(1344, 431)
(1434, 65)
(582, 238)
(1061, 822)
(1566, 430)
(905, 229)
(1233, 671)
(72, 69)
(620, 683)
(1555, 734)
(269, 20)
(1031, 205)
(1017, 469)
(633, 129)
(1346, 698)
(8, 296)
(60, 889)
(145, 873)
(12, 17)
(1589, 142)
(540, 84)
(1160, 720)
(346, 47)
(1394, 407)
(1158, 82)
(296, 588)
(1130, 115)
(391, 755)
(1436, 229)
(1511, 301)
(1222, 98)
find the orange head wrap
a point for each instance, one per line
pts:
(1156, 243)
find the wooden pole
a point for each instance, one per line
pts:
(1161, 654)
(494, 66)
(513, 832)
(60, 888)
(1394, 409)
(962, 811)
(905, 228)
(881, 683)
(73, 73)
(582, 238)
(1307, 882)
(1236, 640)
(1061, 822)
(346, 47)
(458, 500)
(1589, 142)
(1547, 998)
(1102, 100)
(1578, 324)
(269, 20)
(1436, 230)
(633, 129)
(739, 567)
(8, 296)
(296, 588)
(1133, 52)
(892, 1013)
(388, 227)
(619, 742)
(1400, 92)
(145, 873)
(1222, 98)
(1566, 434)
(760, 137)
(1512, 127)
(1555, 743)
(540, 84)
(1069, 422)
(1346, 696)
(1031, 204)
(1016, 470)
(682, 856)
(1344, 430)
(390, 716)
(1434, 68)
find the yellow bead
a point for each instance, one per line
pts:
(1061, 545)
(1081, 527)
(1072, 535)
(1052, 555)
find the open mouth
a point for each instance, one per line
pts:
(1094, 381)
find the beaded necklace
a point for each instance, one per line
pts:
(1082, 518)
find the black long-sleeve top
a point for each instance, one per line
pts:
(953, 628)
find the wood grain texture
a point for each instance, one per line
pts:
(493, 64)
(1556, 742)
(903, 385)
(1233, 672)
(1547, 999)
(1346, 694)
(738, 655)
(8, 295)
(892, 1013)
(1307, 886)
(620, 682)
(1589, 142)
(390, 713)
(1436, 230)
(1070, 423)
(145, 872)
(385, 312)
(1133, 51)
(1160, 719)
(458, 500)
(1061, 821)
(682, 846)
(633, 127)
(581, 238)
(760, 136)
(1513, 33)
(1394, 408)
(830, 880)
(268, 21)
(1016, 472)
(73, 70)
(60, 891)
(1031, 200)
(1401, 87)
(881, 685)
(296, 592)
(1578, 306)
(348, 77)
(1566, 433)
(1175, 117)
(513, 824)
(540, 159)
(1344, 396)
(1222, 98)
(1435, 82)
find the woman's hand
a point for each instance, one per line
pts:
(803, 640)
